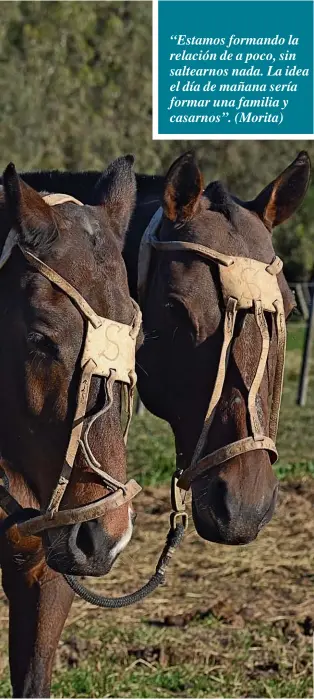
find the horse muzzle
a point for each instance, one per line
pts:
(83, 549)
(225, 513)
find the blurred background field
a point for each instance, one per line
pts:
(75, 85)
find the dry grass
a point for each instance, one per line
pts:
(270, 579)
(236, 619)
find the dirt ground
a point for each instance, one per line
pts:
(258, 599)
(271, 579)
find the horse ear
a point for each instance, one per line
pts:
(116, 190)
(183, 188)
(29, 215)
(280, 199)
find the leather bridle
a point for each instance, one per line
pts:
(246, 284)
(109, 352)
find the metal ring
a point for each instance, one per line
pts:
(175, 518)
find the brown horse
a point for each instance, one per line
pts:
(42, 336)
(183, 313)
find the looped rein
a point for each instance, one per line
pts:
(174, 537)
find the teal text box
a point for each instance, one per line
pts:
(220, 19)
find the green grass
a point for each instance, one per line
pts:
(150, 662)
(294, 471)
(295, 436)
(151, 453)
(295, 336)
(205, 659)
(175, 682)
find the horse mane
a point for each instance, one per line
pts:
(78, 184)
(149, 184)
(220, 200)
(81, 184)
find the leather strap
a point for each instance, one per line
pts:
(275, 266)
(7, 502)
(93, 510)
(80, 412)
(252, 408)
(279, 371)
(220, 456)
(229, 323)
(144, 254)
(53, 199)
(202, 250)
(129, 393)
(64, 478)
(65, 286)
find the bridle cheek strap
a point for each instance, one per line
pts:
(257, 440)
(252, 408)
(229, 323)
(279, 371)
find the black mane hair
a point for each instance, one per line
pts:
(77, 184)
(220, 200)
(81, 185)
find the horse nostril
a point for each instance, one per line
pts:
(81, 549)
(84, 539)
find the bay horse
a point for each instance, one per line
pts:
(183, 319)
(61, 268)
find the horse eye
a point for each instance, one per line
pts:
(35, 337)
(41, 343)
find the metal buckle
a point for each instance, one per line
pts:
(176, 499)
(176, 516)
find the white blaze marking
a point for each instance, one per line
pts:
(122, 543)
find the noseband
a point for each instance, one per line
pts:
(109, 351)
(245, 284)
